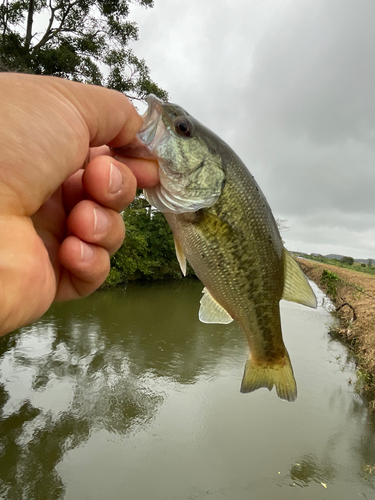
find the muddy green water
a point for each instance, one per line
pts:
(126, 395)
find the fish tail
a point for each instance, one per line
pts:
(263, 374)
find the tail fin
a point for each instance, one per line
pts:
(267, 375)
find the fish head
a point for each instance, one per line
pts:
(191, 172)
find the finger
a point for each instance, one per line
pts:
(109, 115)
(141, 162)
(86, 267)
(100, 151)
(95, 224)
(110, 183)
(56, 128)
(73, 191)
(145, 171)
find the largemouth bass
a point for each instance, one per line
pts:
(223, 225)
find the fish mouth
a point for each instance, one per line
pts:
(153, 129)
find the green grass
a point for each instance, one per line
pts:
(357, 266)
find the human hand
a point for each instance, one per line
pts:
(59, 222)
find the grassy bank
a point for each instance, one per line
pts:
(353, 266)
(353, 293)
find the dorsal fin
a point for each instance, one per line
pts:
(211, 311)
(296, 287)
(180, 256)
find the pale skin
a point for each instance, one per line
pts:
(61, 190)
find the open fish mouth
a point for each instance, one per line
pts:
(189, 184)
(153, 129)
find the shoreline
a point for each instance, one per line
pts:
(353, 294)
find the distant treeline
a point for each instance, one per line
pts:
(346, 261)
(148, 251)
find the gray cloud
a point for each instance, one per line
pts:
(291, 87)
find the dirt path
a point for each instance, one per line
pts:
(357, 318)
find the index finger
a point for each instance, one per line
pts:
(145, 170)
(109, 115)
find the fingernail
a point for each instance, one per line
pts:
(115, 179)
(86, 252)
(101, 221)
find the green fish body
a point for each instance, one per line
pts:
(224, 227)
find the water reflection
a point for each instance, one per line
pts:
(100, 363)
(309, 468)
(105, 392)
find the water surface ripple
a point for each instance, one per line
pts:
(128, 395)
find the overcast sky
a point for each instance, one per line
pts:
(290, 86)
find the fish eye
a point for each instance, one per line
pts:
(183, 126)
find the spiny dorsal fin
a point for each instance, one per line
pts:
(296, 287)
(211, 311)
(180, 256)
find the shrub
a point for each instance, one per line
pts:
(331, 281)
(347, 260)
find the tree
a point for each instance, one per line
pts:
(82, 40)
(148, 251)
(369, 263)
(347, 260)
(282, 225)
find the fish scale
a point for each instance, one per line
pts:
(224, 227)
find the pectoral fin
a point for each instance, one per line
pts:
(296, 287)
(211, 311)
(180, 256)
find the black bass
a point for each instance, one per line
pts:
(223, 225)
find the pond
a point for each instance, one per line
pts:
(126, 395)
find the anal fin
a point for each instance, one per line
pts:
(211, 311)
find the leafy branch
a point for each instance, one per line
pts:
(83, 40)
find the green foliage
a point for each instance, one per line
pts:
(369, 269)
(83, 40)
(331, 281)
(347, 260)
(148, 250)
